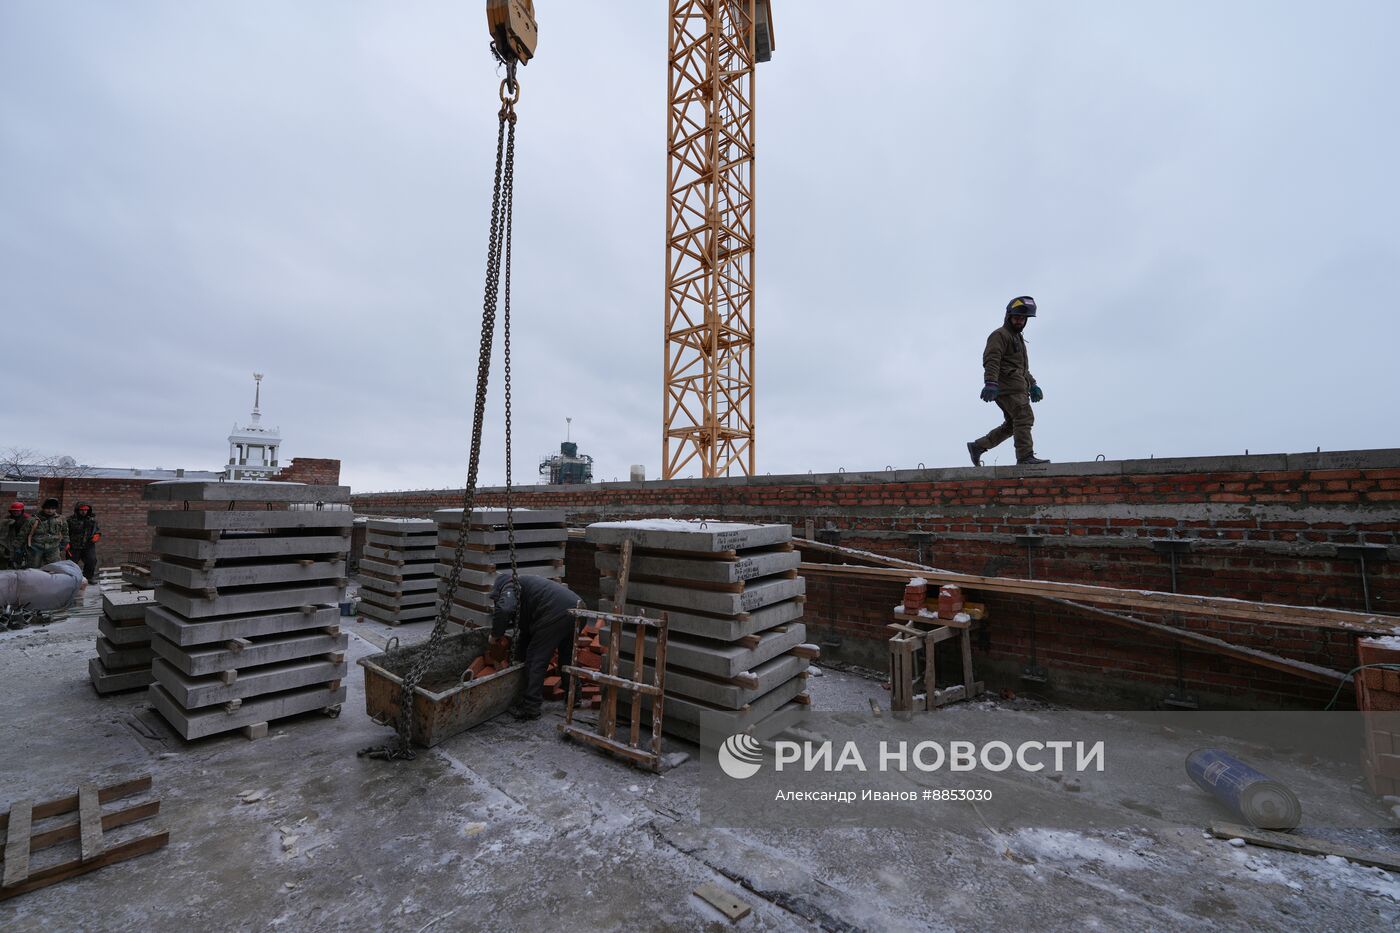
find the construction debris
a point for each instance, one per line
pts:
(123, 659)
(539, 537)
(247, 627)
(733, 599)
(398, 573)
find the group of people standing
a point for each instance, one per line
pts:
(36, 540)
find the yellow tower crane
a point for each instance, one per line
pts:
(708, 403)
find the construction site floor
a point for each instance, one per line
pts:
(508, 827)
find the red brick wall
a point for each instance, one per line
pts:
(309, 470)
(1263, 528)
(120, 513)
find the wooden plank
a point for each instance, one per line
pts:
(1308, 845)
(17, 843)
(637, 755)
(66, 870)
(608, 617)
(1208, 643)
(113, 820)
(926, 620)
(1224, 607)
(90, 821)
(930, 669)
(723, 901)
(658, 702)
(610, 680)
(70, 804)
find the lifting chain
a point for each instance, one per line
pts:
(502, 196)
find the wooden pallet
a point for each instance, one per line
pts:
(611, 682)
(21, 840)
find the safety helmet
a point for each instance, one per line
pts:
(82, 507)
(50, 504)
(16, 506)
(1025, 304)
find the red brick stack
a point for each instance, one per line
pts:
(1378, 697)
(589, 655)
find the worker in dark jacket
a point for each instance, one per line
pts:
(540, 609)
(83, 535)
(14, 538)
(1007, 380)
(48, 535)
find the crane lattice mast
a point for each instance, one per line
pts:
(709, 375)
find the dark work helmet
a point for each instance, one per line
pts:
(50, 504)
(1022, 305)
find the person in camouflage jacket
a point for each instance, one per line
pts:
(14, 538)
(48, 535)
(83, 535)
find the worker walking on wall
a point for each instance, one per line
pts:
(540, 609)
(83, 535)
(1007, 380)
(14, 538)
(48, 535)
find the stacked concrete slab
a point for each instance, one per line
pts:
(540, 537)
(123, 659)
(398, 572)
(247, 626)
(736, 652)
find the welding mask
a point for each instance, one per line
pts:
(507, 607)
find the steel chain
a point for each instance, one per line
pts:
(508, 196)
(401, 747)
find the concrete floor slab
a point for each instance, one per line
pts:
(198, 724)
(707, 571)
(715, 627)
(242, 491)
(688, 685)
(130, 634)
(494, 517)
(192, 607)
(106, 681)
(247, 520)
(125, 606)
(675, 535)
(552, 536)
(399, 616)
(721, 659)
(192, 694)
(198, 661)
(184, 632)
(258, 545)
(120, 658)
(755, 596)
(396, 600)
(195, 578)
(401, 527)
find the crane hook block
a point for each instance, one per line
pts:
(513, 28)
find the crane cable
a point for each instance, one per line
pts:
(497, 250)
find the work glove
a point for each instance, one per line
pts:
(989, 392)
(1036, 394)
(97, 536)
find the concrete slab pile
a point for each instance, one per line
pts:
(398, 573)
(248, 583)
(123, 659)
(540, 537)
(736, 653)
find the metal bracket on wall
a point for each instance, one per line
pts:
(1032, 672)
(1179, 697)
(1361, 553)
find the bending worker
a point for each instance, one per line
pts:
(1007, 380)
(540, 609)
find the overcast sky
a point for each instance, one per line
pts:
(1202, 196)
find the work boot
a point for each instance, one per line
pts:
(524, 713)
(975, 452)
(1032, 460)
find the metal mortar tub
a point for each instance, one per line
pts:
(444, 703)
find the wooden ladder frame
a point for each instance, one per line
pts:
(21, 840)
(611, 682)
(905, 646)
